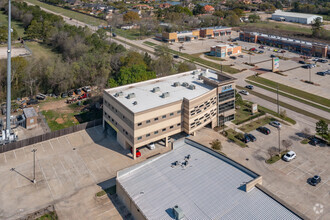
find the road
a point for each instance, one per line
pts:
(130, 44)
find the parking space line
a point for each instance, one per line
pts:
(51, 144)
(15, 155)
(75, 167)
(43, 147)
(43, 173)
(5, 157)
(92, 175)
(56, 174)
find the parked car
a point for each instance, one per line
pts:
(83, 96)
(314, 180)
(261, 47)
(323, 60)
(244, 92)
(283, 51)
(86, 89)
(114, 34)
(275, 50)
(64, 95)
(289, 156)
(252, 137)
(315, 59)
(77, 91)
(240, 56)
(272, 56)
(138, 153)
(249, 87)
(233, 57)
(309, 66)
(263, 130)
(40, 97)
(260, 51)
(176, 56)
(253, 49)
(246, 138)
(151, 146)
(32, 102)
(302, 62)
(321, 73)
(70, 93)
(276, 124)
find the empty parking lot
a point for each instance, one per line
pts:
(69, 170)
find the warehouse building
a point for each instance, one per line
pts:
(195, 182)
(153, 110)
(225, 50)
(183, 36)
(295, 17)
(293, 45)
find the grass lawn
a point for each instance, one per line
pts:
(290, 96)
(49, 216)
(243, 113)
(149, 43)
(72, 14)
(283, 27)
(197, 55)
(57, 121)
(305, 141)
(40, 50)
(14, 24)
(276, 157)
(111, 190)
(231, 136)
(288, 89)
(285, 105)
(255, 124)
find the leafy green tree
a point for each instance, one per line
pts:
(198, 9)
(254, 18)
(322, 129)
(4, 34)
(317, 28)
(185, 66)
(133, 74)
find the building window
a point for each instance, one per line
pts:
(139, 124)
(164, 116)
(226, 95)
(156, 132)
(179, 112)
(148, 121)
(164, 129)
(156, 119)
(226, 106)
(139, 138)
(147, 135)
(171, 127)
(171, 114)
(179, 124)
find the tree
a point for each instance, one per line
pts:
(254, 18)
(131, 17)
(216, 145)
(198, 9)
(186, 66)
(287, 144)
(272, 151)
(240, 136)
(322, 129)
(317, 28)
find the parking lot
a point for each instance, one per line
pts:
(69, 170)
(287, 180)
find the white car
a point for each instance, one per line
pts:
(289, 156)
(151, 146)
(244, 92)
(276, 124)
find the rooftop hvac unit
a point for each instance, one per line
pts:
(185, 84)
(178, 213)
(119, 94)
(156, 89)
(176, 84)
(195, 72)
(203, 73)
(131, 95)
(135, 103)
(166, 94)
(192, 87)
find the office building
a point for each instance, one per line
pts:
(153, 110)
(194, 182)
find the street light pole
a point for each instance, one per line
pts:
(310, 70)
(278, 106)
(279, 140)
(34, 165)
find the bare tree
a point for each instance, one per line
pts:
(272, 151)
(306, 132)
(287, 144)
(216, 144)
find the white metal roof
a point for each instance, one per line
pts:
(293, 14)
(146, 99)
(210, 187)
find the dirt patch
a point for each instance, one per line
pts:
(51, 105)
(59, 120)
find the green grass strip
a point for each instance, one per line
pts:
(293, 91)
(285, 105)
(290, 96)
(149, 43)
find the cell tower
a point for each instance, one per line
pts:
(7, 135)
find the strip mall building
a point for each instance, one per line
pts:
(195, 34)
(299, 46)
(153, 110)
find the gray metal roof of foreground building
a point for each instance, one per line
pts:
(210, 187)
(30, 112)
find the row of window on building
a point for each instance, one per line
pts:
(198, 109)
(158, 118)
(159, 131)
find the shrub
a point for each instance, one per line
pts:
(216, 144)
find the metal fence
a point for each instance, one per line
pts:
(49, 135)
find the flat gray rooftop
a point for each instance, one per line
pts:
(146, 99)
(210, 187)
(293, 14)
(29, 112)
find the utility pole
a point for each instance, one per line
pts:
(34, 165)
(8, 74)
(279, 140)
(278, 106)
(310, 77)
